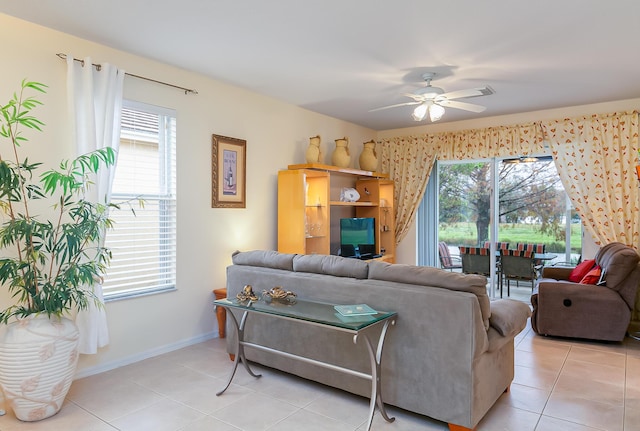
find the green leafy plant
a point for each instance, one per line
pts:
(50, 264)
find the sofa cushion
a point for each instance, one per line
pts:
(581, 270)
(508, 316)
(593, 276)
(331, 265)
(434, 277)
(264, 258)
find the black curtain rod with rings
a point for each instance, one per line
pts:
(99, 66)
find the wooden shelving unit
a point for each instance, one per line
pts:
(309, 208)
(335, 169)
(303, 212)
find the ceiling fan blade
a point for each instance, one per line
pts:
(395, 106)
(461, 105)
(417, 97)
(470, 92)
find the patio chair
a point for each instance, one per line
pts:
(535, 248)
(476, 260)
(499, 245)
(446, 260)
(517, 265)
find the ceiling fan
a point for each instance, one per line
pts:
(433, 100)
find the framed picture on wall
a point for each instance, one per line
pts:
(228, 169)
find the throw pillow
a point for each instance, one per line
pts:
(592, 277)
(581, 270)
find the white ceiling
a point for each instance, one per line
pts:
(343, 58)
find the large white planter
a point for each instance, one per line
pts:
(38, 359)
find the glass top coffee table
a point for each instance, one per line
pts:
(356, 319)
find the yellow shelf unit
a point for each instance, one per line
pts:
(379, 193)
(303, 212)
(336, 169)
(308, 212)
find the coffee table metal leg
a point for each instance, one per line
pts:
(376, 358)
(239, 349)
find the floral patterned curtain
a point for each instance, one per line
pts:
(518, 140)
(408, 160)
(596, 158)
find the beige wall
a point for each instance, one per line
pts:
(276, 133)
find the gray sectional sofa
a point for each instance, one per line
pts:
(450, 355)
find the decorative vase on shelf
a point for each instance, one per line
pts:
(314, 154)
(341, 157)
(368, 158)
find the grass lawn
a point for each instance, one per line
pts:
(465, 234)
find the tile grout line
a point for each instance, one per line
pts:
(108, 423)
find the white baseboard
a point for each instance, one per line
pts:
(90, 371)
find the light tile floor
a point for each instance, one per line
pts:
(559, 385)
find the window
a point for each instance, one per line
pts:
(143, 240)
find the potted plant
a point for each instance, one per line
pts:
(50, 259)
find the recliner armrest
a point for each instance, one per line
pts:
(556, 272)
(561, 290)
(557, 286)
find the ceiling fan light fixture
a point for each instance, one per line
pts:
(434, 100)
(420, 112)
(436, 112)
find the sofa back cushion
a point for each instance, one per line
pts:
(264, 258)
(617, 261)
(331, 265)
(435, 277)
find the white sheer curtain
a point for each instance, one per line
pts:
(95, 103)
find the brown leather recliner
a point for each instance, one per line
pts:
(599, 312)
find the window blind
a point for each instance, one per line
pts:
(143, 240)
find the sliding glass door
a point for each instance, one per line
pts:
(464, 203)
(534, 208)
(482, 203)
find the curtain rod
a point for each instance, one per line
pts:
(99, 66)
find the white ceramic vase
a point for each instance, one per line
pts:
(38, 359)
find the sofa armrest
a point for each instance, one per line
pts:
(509, 317)
(556, 272)
(567, 290)
(560, 287)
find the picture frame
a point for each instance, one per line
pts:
(228, 172)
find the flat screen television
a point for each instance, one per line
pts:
(357, 233)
